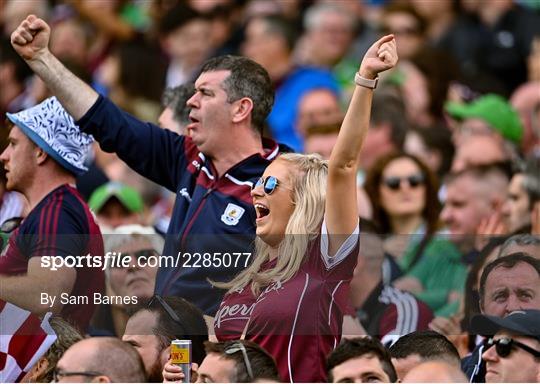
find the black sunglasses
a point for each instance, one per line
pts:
(394, 182)
(504, 346)
(170, 312)
(10, 225)
(269, 184)
(58, 375)
(239, 347)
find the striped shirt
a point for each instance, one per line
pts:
(60, 225)
(390, 313)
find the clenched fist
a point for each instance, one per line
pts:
(381, 56)
(31, 38)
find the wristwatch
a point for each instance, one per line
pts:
(363, 82)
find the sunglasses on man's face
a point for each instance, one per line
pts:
(505, 345)
(269, 184)
(394, 182)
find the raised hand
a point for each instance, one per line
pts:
(31, 38)
(173, 373)
(381, 56)
(491, 226)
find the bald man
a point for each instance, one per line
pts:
(472, 196)
(100, 359)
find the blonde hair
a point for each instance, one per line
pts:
(308, 179)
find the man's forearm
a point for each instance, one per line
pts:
(26, 291)
(75, 95)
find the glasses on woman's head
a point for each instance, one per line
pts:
(504, 346)
(394, 182)
(269, 183)
(239, 347)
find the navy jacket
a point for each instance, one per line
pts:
(211, 215)
(473, 366)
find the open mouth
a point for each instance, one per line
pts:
(261, 210)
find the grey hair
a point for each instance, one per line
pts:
(124, 234)
(176, 98)
(316, 14)
(521, 240)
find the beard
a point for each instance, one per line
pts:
(154, 374)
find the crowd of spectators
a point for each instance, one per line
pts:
(444, 283)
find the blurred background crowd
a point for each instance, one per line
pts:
(450, 168)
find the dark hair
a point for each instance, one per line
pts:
(178, 16)
(176, 98)
(389, 108)
(401, 7)
(438, 138)
(439, 69)
(142, 69)
(357, 347)
(117, 360)
(432, 206)
(8, 55)
(262, 363)
(192, 327)
(247, 79)
(507, 262)
(429, 345)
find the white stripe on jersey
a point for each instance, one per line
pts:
(406, 307)
(238, 182)
(273, 154)
(343, 251)
(332, 301)
(294, 326)
(205, 170)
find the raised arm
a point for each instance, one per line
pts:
(341, 209)
(31, 41)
